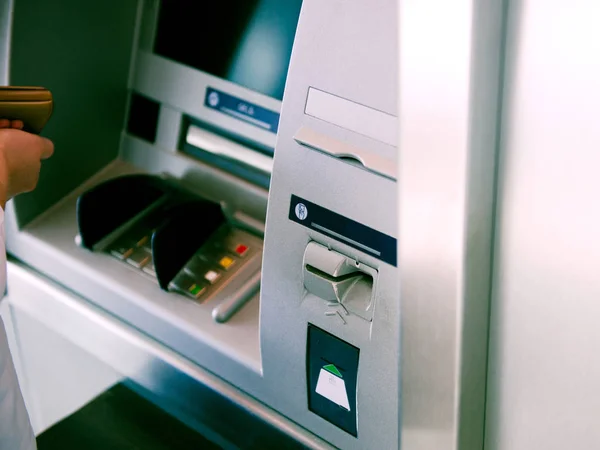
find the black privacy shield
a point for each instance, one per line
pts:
(182, 221)
(187, 226)
(109, 205)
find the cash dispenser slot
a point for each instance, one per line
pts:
(186, 244)
(249, 162)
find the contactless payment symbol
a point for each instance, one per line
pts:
(331, 385)
(301, 211)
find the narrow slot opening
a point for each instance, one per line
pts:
(352, 159)
(332, 279)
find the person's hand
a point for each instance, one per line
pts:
(21, 154)
(17, 124)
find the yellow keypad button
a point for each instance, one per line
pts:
(226, 262)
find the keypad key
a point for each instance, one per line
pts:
(196, 290)
(122, 252)
(143, 242)
(212, 276)
(234, 245)
(226, 262)
(241, 249)
(188, 286)
(139, 258)
(149, 269)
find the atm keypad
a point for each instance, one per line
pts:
(144, 242)
(135, 248)
(188, 286)
(212, 276)
(234, 245)
(224, 254)
(149, 268)
(139, 258)
(196, 290)
(126, 250)
(122, 252)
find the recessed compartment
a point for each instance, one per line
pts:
(167, 242)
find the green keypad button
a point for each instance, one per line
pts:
(196, 290)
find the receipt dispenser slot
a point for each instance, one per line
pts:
(334, 277)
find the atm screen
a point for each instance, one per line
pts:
(247, 42)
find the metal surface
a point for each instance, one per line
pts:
(48, 245)
(180, 87)
(449, 72)
(195, 395)
(5, 39)
(333, 54)
(544, 364)
(449, 57)
(228, 307)
(217, 145)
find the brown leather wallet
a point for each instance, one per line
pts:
(33, 105)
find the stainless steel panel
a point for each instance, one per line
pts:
(5, 20)
(348, 49)
(544, 365)
(450, 54)
(183, 89)
(188, 391)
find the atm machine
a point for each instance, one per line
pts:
(219, 223)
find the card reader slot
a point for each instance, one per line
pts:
(331, 278)
(335, 277)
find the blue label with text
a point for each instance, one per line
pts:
(240, 109)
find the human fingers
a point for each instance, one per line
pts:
(18, 124)
(28, 179)
(4, 123)
(41, 147)
(47, 148)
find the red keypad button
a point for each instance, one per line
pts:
(241, 249)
